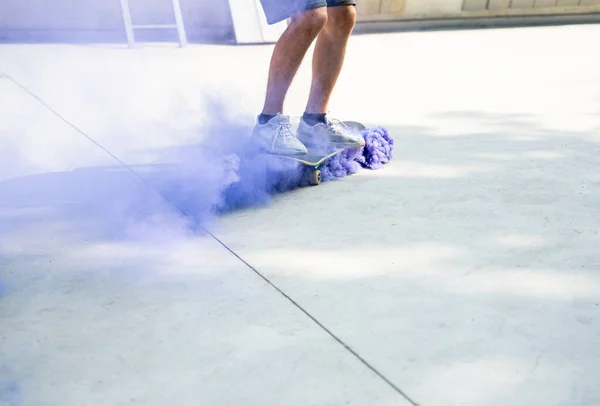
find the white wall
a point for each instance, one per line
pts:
(432, 8)
(209, 18)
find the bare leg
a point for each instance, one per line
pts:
(288, 54)
(329, 56)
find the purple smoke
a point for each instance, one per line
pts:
(202, 180)
(259, 177)
(9, 389)
(227, 173)
(345, 163)
(379, 148)
(377, 152)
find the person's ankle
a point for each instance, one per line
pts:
(313, 119)
(265, 118)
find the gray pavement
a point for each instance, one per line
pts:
(463, 273)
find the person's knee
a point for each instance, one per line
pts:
(313, 19)
(342, 19)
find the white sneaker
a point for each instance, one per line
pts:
(332, 134)
(276, 137)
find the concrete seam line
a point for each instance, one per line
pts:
(220, 242)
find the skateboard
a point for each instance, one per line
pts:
(314, 159)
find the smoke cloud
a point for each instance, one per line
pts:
(224, 173)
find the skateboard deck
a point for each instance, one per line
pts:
(315, 158)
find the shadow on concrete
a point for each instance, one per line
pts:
(517, 165)
(100, 202)
(491, 234)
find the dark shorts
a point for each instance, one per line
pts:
(279, 10)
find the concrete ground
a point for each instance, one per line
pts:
(466, 272)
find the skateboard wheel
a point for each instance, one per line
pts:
(316, 177)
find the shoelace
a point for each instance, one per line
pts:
(283, 130)
(336, 125)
